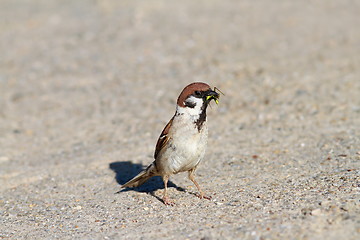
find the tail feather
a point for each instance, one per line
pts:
(142, 177)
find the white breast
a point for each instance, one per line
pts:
(187, 145)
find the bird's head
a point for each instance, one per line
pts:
(195, 98)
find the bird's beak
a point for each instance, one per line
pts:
(212, 95)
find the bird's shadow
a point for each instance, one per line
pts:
(126, 170)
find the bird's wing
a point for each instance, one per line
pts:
(163, 139)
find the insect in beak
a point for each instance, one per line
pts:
(208, 98)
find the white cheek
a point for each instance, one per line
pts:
(194, 112)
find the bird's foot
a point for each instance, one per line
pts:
(168, 202)
(203, 196)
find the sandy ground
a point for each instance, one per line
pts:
(87, 86)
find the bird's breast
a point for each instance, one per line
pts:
(187, 148)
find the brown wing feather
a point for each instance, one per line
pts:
(163, 139)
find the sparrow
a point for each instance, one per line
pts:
(182, 144)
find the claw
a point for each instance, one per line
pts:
(203, 196)
(168, 202)
(207, 197)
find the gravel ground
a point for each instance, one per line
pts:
(87, 86)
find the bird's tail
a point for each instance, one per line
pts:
(142, 177)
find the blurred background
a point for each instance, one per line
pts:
(87, 83)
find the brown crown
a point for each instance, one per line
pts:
(190, 89)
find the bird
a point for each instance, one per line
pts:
(182, 143)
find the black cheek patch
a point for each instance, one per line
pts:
(190, 104)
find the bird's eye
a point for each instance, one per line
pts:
(197, 93)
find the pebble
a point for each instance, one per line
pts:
(4, 159)
(316, 212)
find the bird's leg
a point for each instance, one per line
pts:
(192, 178)
(165, 198)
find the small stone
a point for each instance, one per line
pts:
(4, 159)
(316, 212)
